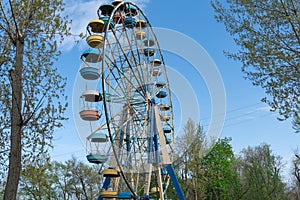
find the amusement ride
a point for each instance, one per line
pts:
(134, 145)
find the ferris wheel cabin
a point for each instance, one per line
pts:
(90, 67)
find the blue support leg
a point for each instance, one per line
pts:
(175, 182)
(105, 186)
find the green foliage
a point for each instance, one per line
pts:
(294, 188)
(221, 179)
(260, 173)
(268, 35)
(216, 173)
(56, 180)
(205, 173)
(296, 123)
(36, 182)
(32, 100)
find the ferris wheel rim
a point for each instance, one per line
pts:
(106, 103)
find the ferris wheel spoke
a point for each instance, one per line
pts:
(128, 61)
(123, 82)
(137, 60)
(117, 94)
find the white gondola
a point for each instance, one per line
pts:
(89, 101)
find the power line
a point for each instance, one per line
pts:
(233, 110)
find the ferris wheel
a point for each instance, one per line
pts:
(134, 144)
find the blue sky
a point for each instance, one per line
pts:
(248, 121)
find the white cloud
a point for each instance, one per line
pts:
(141, 3)
(81, 12)
(264, 108)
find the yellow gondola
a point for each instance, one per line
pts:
(140, 35)
(164, 107)
(165, 117)
(110, 173)
(96, 25)
(95, 41)
(108, 194)
(140, 23)
(154, 190)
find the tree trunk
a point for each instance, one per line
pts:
(14, 168)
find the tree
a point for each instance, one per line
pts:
(220, 176)
(59, 180)
(205, 173)
(62, 180)
(296, 123)
(37, 182)
(78, 181)
(260, 173)
(87, 181)
(268, 35)
(189, 150)
(32, 100)
(296, 169)
(294, 187)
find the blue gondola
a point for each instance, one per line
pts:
(89, 69)
(167, 129)
(129, 22)
(91, 56)
(149, 52)
(90, 73)
(111, 24)
(161, 94)
(130, 10)
(106, 9)
(97, 158)
(125, 195)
